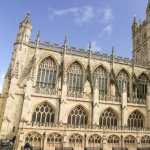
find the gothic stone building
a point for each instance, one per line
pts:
(58, 96)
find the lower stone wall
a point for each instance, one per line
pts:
(79, 139)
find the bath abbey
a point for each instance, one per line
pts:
(58, 97)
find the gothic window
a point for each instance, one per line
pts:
(142, 87)
(34, 139)
(55, 139)
(130, 139)
(145, 139)
(75, 80)
(136, 120)
(76, 140)
(78, 117)
(43, 115)
(108, 119)
(123, 79)
(46, 79)
(101, 75)
(94, 139)
(113, 139)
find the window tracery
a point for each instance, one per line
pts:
(76, 140)
(54, 138)
(113, 139)
(136, 120)
(145, 139)
(123, 79)
(34, 139)
(75, 80)
(43, 115)
(101, 75)
(108, 119)
(130, 139)
(46, 78)
(142, 87)
(94, 139)
(78, 117)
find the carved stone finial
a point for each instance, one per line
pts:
(90, 46)
(66, 40)
(38, 36)
(27, 18)
(90, 50)
(134, 19)
(113, 49)
(112, 58)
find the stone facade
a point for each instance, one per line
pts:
(58, 96)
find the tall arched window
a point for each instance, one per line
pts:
(145, 139)
(130, 139)
(113, 139)
(76, 140)
(101, 75)
(43, 114)
(136, 120)
(123, 79)
(142, 87)
(34, 139)
(46, 79)
(78, 117)
(55, 139)
(75, 80)
(108, 119)
(94, 140)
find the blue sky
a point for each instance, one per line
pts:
(106, 23)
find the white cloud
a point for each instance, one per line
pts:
(108, 29)
(108, 15)
(83, 14)
(79, 14)
(87, 14)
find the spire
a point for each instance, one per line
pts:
(37, 39)
(89, 53)
(90, 50)
(38, 36)
(112, 52)
(26, 19)
(25, 29)
(65, 41)
(112, 57)
(65, 44)
(134, 25)
(134, 19)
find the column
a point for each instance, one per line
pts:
(124, 105)
(63, 99)
(138, 142)
(95, 103)
(105, 145)
(26, 109)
